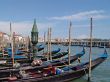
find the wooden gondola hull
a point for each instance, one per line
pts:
(56, 56)
(59, 62)
(52, 52)
(27, 60)
(39, 49)
(59, 55)
(6, 72)
(77, 72)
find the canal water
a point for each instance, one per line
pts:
(100, 73)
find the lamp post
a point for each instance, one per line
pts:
(34, 38)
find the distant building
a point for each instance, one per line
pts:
(4, 38)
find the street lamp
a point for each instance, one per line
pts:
(34, 38)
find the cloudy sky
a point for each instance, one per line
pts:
(57, 15)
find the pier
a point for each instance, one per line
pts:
(81, 42)
(86, 42)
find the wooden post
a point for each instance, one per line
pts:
(12, 44)
(44, 42)
(3, 44)
(69, 43)
(10, 36)
(90, 53)
(50, 43)
(27, 43)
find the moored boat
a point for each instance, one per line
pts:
(70, 72)
(6, 72)
(53, 52)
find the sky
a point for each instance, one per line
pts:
(56, 14)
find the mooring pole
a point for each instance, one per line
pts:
(48, 45)
(89, 75)
(12, 44)
(44, 41)
(69, 43)
(50, 29)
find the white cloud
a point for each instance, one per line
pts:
(17, 27)
(23, 27)
(97, 14)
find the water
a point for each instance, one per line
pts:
(100, 73)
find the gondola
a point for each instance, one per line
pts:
(65, 74)
(17, 52)
(55, 56)
(59, 62)
(40, 47)
(24, 59)
(6, 72)
(59, 55)
(52, 52)
(21, 51)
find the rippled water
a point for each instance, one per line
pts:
(100, 73)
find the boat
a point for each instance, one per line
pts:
(40, 47)
(17, 52)
(5, 71)
(69, 72)
(55, 56)
(20, 51)
(24, 59)
(16, 56)
(65, 74)
(59, 55)
(59, 62)
(53, 52)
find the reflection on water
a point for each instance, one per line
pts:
(80, 80)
